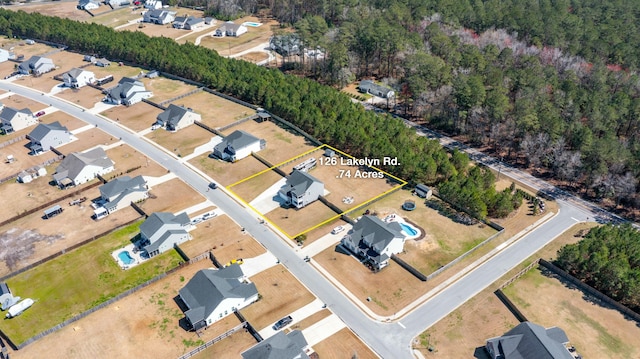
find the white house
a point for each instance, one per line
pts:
(78, 168)
(76, 78)
(238, 145)
(230, 29)
(162, 231)
(530, 340)
(159, 16)
(45, 136)
(88, 4)
(36, 65)
(153, 4)
(6, 297)
(368, 86)
(175, 118)
(374, 240)
(188, 22)
(301, 189)
(6, 55)
(121, 191)
(15, 120)
(213, 294)
(129, 91)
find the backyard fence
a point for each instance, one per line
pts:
(154, 104)
(180, 97)
(12, 141)
(236, 123)
(254, 333)
(210, 129)
(524, 271)
(416, 273)
(512, 307)
(204, 346)
(32, 169)
(268, 164)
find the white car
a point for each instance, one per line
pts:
(337, 230)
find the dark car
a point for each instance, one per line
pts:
(212, 185)
(282, 322)
(39, 113)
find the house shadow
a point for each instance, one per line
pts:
(342, 250)
(481, 353)
(183, 323)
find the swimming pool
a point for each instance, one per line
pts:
(408, 229)
(125, 257)
(251, 24)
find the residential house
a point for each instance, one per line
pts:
(115, 3)
(159, 16)
(208, 20)
(6, 55)
(286, 45)
(368, 86)
(89, 58)
(36, 65)
(374, 241)
(6, 297)
(47, 135)
(81, 167)
(212, 294)
(423, 191)
(153, 4)
(238, 145)
(88, 4)
(230, 29)
(301, 189)
(121, 191)
(129, 91)
(162, 231)
(175, 118)
(530, 341)
(292, 345)
(102, 62)
(76, 78)
(188, 22)
(15, 120)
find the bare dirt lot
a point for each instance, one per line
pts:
(85, 96)
(154, 30)
(252, 187)
(117, 71)
(61, 9)
(390, 290)
(66, 120)
(117, 17)
(224, 238)
(148, 316)
(343, 344)
(281, 144)
(254, 57)
(88, 139)
(228, 173)
(215, 110)
(137, 117)
(166, 89)
(23, 160)
(171, 196)
(254, 36)
(230, 347)
(182, 142)
(126, 158)
(273, 305)
(19, 102)
(323, 230)
(298, 221)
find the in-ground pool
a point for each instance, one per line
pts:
(125, 257)
(251, 24)
(408, 229)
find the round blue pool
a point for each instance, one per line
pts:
(408, 229)
(125, 257)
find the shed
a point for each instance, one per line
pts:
(423, 191)
(53, 211)
(42, 171)
(329, 152)
(25, 177)
(263, 116)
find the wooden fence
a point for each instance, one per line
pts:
(211, 342)
(12, 141)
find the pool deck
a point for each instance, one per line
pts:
(399, 219)
(137, 259)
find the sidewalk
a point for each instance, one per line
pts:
(324, 242)
(323, 329)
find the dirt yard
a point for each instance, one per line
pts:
(344, 344)
(86, 96)
(228, 173)
(352, 89)
(390, 290)
(66, 120)
(248, 190)
(282, 145)
(23, 159)
(61, 9)
(125, 157)
(149, 316)
(88, 139)
(154, 30)
(182, 142)
(137, 117)
(166, 89)
(229, 348)
(224, 237)
(215, 110)
(323, 230)
(117, 17)
(254, 36)
(117, 71)
(19, 102)
(298, 221)
(171, 196)
(273, 305)
(254, 57)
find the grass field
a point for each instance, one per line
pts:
(88, 139)
(215, 111)
(297, 221)
(225, 172)
(137, 117)
(343, 344)
(183, 142)
(172, 196)
(116, 18)
(77, 281)
(165, 89)
(126, 158)
(252, 187)
(85, 96)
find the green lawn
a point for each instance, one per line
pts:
(77, 281)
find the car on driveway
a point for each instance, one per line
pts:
(39, 113)
(282, 322)
(337, 230)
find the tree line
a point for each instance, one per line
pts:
(320, 110)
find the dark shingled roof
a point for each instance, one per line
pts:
(530, 341)
(279, 346)
(43, 129)
(299, 182)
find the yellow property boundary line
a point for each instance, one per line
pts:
(400, 181)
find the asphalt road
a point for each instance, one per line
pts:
(389, 340)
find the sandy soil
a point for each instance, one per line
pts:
(228, 173)
(166, 89)
(298, 221)
(182, 142)
(137, 117)
(85, 96)
(171, 196)
(215, 110)
(343, 344)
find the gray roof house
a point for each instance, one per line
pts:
(102, 62)
(162, 231)
(238, 145)
(36, 65)
(279, 346)
(13, 120)
(230, 29)
(121, 191)
(175, 118)
(128, 92)
(45, 136)
(368, 86)
(213, 294)
(6, 297)
(530, 341)
(301, 189)
(76, 78)
(374, 241)
(88, 4)
(159, 16)
(78, 168)
(5, 55)
(188, 22)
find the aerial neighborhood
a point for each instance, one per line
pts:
(366, 181)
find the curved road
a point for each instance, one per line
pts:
(389, 340)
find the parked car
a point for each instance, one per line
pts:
(283, 322)
(337, 230)
(40, 113)
(213, 185)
